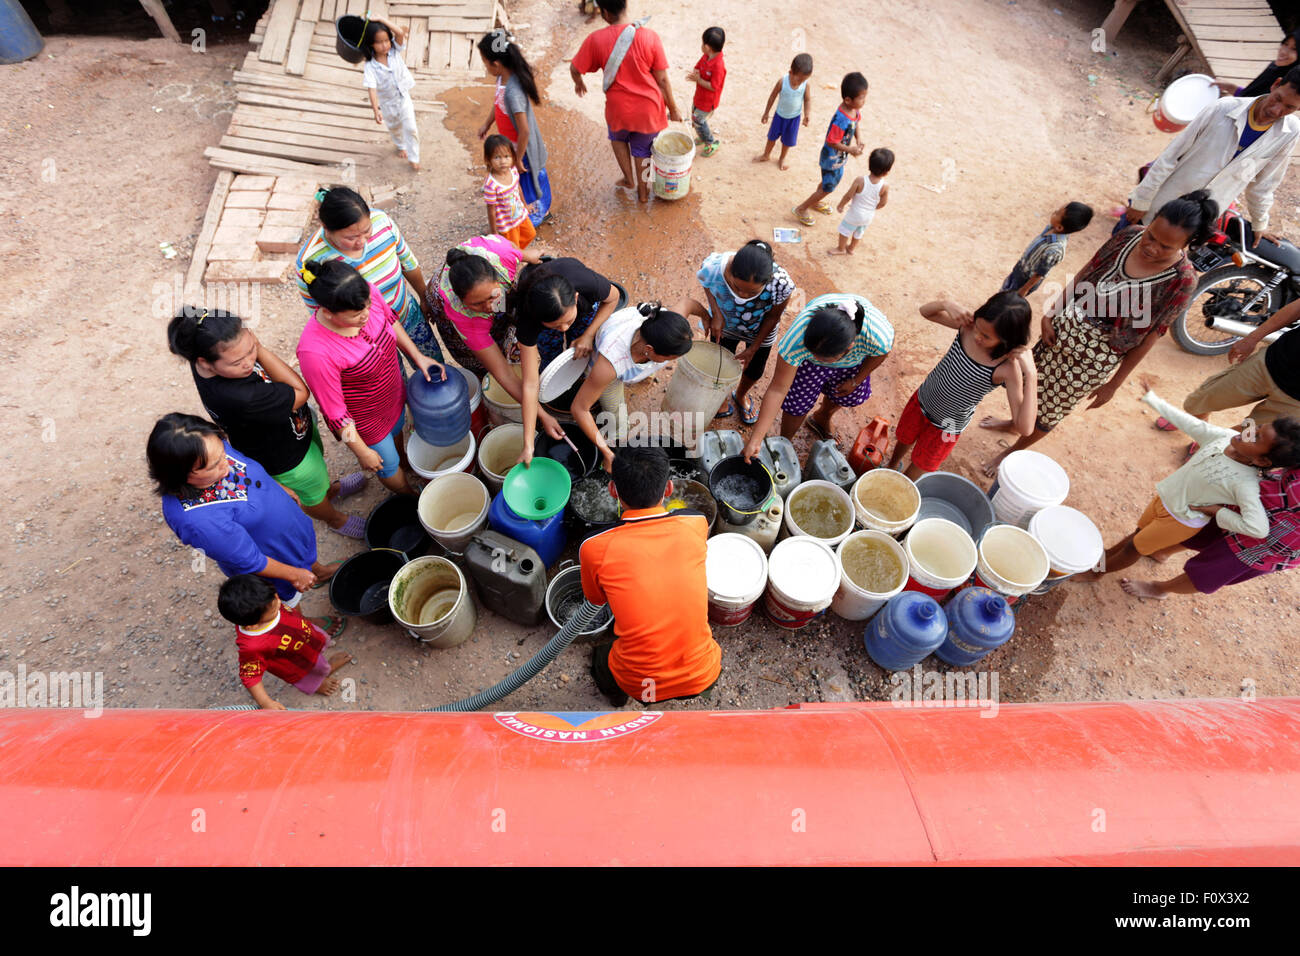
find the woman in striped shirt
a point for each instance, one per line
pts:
(371, 243)
(348, 356)
(989, 350)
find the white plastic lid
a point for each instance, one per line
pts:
(1034, 475)
(1072, 542)
(804, 568)
(1187, 96)
(560, 374)
(735, 567)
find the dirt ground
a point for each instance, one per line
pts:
(998, 112)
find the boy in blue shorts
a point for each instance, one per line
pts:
(842, 141)
(793, 100)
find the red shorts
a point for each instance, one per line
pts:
(933, 444)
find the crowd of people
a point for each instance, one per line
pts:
(245, 484)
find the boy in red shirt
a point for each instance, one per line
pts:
(274, 638)
(636, 89)
(708, 76)
(649, 569)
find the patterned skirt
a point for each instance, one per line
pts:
(419, 330)
(1069, 371)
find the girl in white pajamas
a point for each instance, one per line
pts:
(389, 83)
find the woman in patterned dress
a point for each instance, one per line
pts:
(1109, 317)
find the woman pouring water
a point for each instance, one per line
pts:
(628, 345)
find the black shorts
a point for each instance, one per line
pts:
(616, 695)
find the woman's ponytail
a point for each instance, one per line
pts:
(753, 262)
(335, 285)
(1194, 212)
(197, 333)
(665, 331)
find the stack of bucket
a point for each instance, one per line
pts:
(443, 440)
(1027, 483)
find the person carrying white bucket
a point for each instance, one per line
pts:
(828, 353)
(628, 346)
(636, 89)
(650, 569)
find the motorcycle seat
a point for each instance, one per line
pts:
(1284, 254)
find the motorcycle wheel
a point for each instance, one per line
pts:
(1222, 293)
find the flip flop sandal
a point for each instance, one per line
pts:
(823, 207)
(725, 410)
(1192, 449)
(1165, 425)
(816, 428)
(710, 149)
(335, 626)
(354, 527)
(804, 217)
(748, 414)
(351, 484)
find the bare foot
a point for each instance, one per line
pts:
(997, 424)
(837, 252)
(785, 166)
(762, 159)
(848, 252)
(339, 660)
(1142, 589)
(624, 183)
(415, 167)
(402, 153)
(990, 469)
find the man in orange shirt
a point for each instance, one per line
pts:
(649, 568)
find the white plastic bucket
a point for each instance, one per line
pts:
(671, 155)
(1182, 100)
(501, 405)
(802, 577)
(431, 461)
(852, 601)
(940, 557)
(1028, 482)
(430, 598)
(701, 382)
(1011, 562)
(736, 572)
(876, 484)
(834, 495)
(1071, 541)
(453, 508)
(499, 452)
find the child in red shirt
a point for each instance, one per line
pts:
(278, 639)
(708, 76)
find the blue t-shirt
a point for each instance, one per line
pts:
(1042, 256)
(741, 319)
(243, 520)
(1248, 136)
(842, 128)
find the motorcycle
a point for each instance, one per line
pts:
(1239, 288)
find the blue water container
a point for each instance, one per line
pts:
(19, 39)
(979, 621)
(439, 409)
(906, 631)
(546, 537)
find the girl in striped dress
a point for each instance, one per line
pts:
(989, 350)
(348, 356)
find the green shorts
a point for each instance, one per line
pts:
(309, 479)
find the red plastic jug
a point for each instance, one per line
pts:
(870, 446)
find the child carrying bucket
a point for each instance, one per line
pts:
(389, 84)
(1223, 474)
(988, 351)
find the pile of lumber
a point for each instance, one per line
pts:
(300, 106)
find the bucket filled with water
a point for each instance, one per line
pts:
(688, 493)
(502, 407)
(873, 568)
(1011, 562)
(886, 500)
(453, 508)
(740, 488)
(432, 461)
(498, 452)
(430, 598)
(819, 509)
(359, 588)
(940, 557)
(736, 572)
(801, 580)
(671, 155)
(564, 597)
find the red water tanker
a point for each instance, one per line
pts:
(1156, 782)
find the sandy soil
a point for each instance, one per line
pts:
(102, 160)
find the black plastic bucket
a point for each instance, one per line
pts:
(359, 588)
(578, 464)
(347, 38)
(395, 523)
(746, 495)
(582, 520)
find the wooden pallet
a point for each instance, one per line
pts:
(300, 105)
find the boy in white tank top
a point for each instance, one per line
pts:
(865, 196)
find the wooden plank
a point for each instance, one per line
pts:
(354, 126)
(417, 43)
(327, 12)
(462, 48)
(211, 219)
(337, 135)
(258, 98)
(156, 10)
(1238, 34)
(476, 26)
(439, 50)
(499, 16)
(307, 154)
(310, 10)
(417, 8)
(296, 59)
(378, 10)
(278, 31)
(319, 92)
(266, 270)
(1228, 19)
(300, 138)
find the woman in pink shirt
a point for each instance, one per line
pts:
(348, 357)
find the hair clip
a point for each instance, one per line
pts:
(307, 275)
(202, 317)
